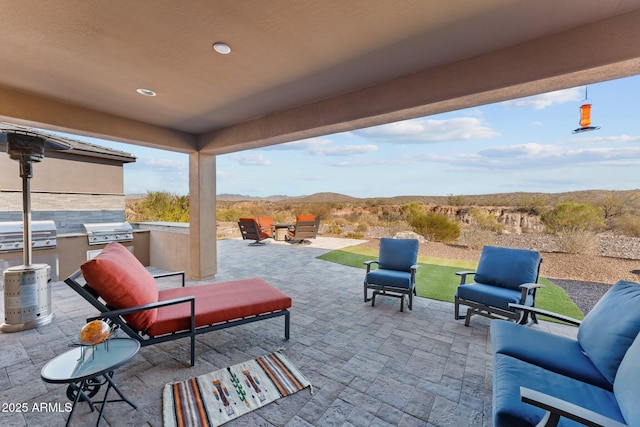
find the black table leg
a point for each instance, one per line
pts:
(79, 394)
(109, 377)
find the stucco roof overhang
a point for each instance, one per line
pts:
(65, 145)
(297, 68)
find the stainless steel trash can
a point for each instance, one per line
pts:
(27, 297)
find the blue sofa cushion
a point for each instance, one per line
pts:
(549, 351)
(606, 333)
(492, 296)
(398, 254)
(509, 411)
(507, 267)
(627, 384)
(393, 278)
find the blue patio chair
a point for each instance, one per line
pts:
(396, 272)
(504, 276)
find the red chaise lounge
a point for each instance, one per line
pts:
(119, 286)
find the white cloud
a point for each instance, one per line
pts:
(163, 164)
(326, 147)
(430, 130)
(303, 145)
(536, 157)
(521, 150)
(607, 139)
(252, 160)
(539, 102)
(342, 150)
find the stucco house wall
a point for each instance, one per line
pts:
(81, 185)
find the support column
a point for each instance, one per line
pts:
(203, 254)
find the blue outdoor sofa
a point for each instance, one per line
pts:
(592, 380)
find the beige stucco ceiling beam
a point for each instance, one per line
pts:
(31, 110)
(591, 53)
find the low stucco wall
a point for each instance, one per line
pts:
(168, 245)
(72, 250)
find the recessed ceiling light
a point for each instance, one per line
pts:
(222, 48)
(146, 92)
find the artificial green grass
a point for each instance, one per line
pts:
(436, 279)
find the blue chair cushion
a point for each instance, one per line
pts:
(392, 278)
(492, 296)
(543, 349)
(507, 267)
(606, 333)
(398, 254)
(510, 373)
(627, 384)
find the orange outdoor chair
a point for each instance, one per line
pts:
(254, 229)
(306, 227)
(266, 225)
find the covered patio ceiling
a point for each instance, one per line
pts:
(297, 69)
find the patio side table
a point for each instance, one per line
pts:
(281, 230)
(83, 366)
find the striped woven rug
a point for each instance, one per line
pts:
(215, 398)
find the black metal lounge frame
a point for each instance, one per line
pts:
(116, 316)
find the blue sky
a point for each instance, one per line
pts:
(519, 145)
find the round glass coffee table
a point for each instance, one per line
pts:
(83, 366)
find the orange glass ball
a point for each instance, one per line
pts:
(94, 332)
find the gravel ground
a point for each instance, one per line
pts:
(585, 278)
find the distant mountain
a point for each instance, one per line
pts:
(239, 198)
(313, 198)
(631, 198)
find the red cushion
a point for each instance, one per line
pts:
(122, 282)
(305, 218)
(218, 302)
(266, 226)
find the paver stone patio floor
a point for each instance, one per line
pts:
(369, 366)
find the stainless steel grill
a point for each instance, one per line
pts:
(106, 232)
(43, 235)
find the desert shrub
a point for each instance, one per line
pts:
(435, 227)
(334, 229)
(340, 222)
(570, 216)
(282, 217)
(578, 242)
(533, 205)
(363, 227)
(456, 200)
(368, 218)
(612, 206)
(389, 214)
(231, 214)
(477, 239)
(354, 235)
(485, 220)
(627, 224)
(323, 210)
(411, 210)
(160, 206)
(396, 227)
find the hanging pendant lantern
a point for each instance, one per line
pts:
(585, 116)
